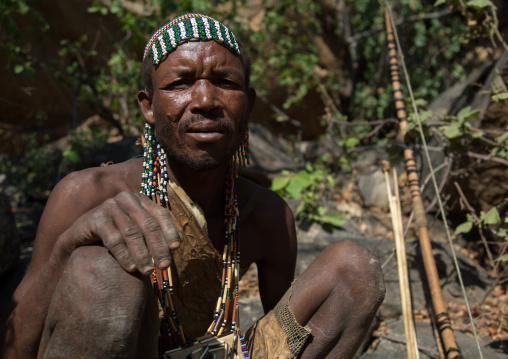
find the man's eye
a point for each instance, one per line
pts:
(178, 84)
(227, 83)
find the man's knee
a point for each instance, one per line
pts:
(94, 275)
(112, 309)
(95, 289)
(357, 270)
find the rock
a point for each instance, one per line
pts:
(475, 278)
(9, 237)
(251, 310)
(268, 156)
(372, 188)
(393, 344)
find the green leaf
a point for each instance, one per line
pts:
(330, 181)
(500, 140)
(71, 155)
(500, 96)
(472, 114)
(492, 216)
(321, 211)
(115, 8)
(23, 7)
(114, 59)
(351, 142)
(451, 131)
(18, 69)
(294, 188)
(464, 228)
(279, 183)
(439, 2)
(466, 113)
(96, 6)
(503, 258)
(479, 4)
(477, 134)
(334, 219)
(304, 178)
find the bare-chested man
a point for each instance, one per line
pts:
(88, 292)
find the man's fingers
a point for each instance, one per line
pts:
(134, 238)
(119, 224)
(162, 215)
(133, 228)
(155, 224)
(113, 240)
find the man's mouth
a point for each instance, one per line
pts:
(206, 131)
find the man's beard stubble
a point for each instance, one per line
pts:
(209, 163)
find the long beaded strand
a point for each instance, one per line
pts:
(154, 184)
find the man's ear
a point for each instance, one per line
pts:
(251, 100)
(145, 106)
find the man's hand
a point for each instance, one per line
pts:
(132, 227)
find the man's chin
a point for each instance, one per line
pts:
(205, 164)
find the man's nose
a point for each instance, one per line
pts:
(204, 97)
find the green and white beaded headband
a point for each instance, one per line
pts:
(186, 28)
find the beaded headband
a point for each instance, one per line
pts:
(186, 28)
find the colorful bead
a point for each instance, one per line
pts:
(188, 27)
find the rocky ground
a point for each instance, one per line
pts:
(489, 302)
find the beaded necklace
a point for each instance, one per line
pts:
(154, 184)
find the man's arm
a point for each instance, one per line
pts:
(277, 236)
(79, 213)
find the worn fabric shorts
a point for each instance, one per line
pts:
(277, 334)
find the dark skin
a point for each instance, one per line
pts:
(96, 225)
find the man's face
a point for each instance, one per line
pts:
(200, 104)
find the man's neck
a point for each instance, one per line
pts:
(206, 188)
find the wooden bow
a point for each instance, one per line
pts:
(442, 319)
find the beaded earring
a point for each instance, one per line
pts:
(154, 179)
(241, 158)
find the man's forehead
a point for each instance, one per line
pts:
(201, 57)
(185, 28)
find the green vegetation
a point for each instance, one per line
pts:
(301, 48)
(313, 186)
(31, 172)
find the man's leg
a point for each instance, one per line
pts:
(99, 310)
(337, 297)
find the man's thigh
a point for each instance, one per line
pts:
(100, 309)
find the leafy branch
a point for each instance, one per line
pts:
(311, 186)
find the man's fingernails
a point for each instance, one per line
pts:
(174, 245)
(148, 269)
(164, 263)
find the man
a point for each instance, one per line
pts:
(88, 291)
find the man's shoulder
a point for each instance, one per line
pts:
(261, 203)
(99, 183)
(254, 193)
